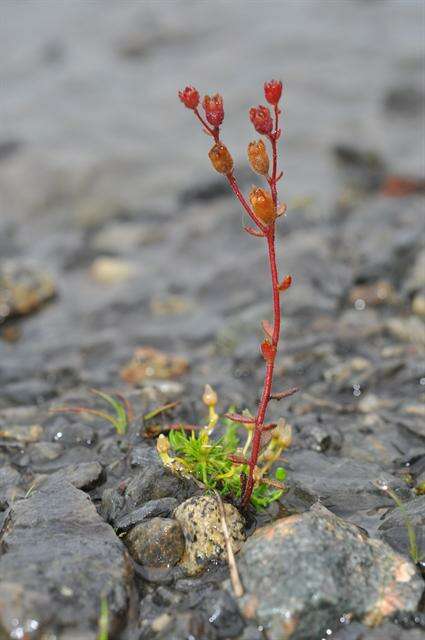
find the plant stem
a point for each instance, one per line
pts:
(270, 235)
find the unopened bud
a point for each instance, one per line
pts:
(262, 204)
(214, 111)
(209, 397)
(190, 97)
(268, 351)
(258, 158)
(220, 158)
(261, 119)
(273, 91)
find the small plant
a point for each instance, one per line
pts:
(263, 209)
(218, 463)
(103, 622)
(120, 420)
(414, 552)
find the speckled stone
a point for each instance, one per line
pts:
(200, 520)
(302, 573)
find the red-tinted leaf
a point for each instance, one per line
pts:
(237, 417)
(237, 459)
(284, 394)
(267, 328)
(254, 232)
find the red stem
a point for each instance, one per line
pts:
(268, 379)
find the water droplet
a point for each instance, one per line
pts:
(359, 304)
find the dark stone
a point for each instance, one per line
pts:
(59, 557)
(303, 572)
(151, 483)
(343, 485)
(157, 542)
(406, 100)
(85, 475)
(160, 507)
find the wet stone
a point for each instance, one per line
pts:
(158, 542)
(342, 484)
(84, 475)
(152, 482)
(301, 573)
(160, 507)
(56, 533)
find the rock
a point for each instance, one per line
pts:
(84, 475)
(152, 482)
(42, 452)
(341, 484)
(57, 534)
(67, 433)
(121, 237)
(388, 631)
(22, 433)
(23, 289)
(111, 270)
(394, 527)
(151, 363)
(410, 329)
(407, 100)
(160, 507)
(157, 542)
(9, 485)
(201, 523)
(303, 572)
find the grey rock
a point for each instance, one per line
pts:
(84, 475)
(153, 482)
(303, 572)
(59, 557)
(9, 485)
(341, 484)
(160, 507)
(158, 542)
(42, 452)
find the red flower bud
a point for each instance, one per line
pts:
(285, 284)
(268, 351)
(273, 91)
(214, 111)
(189, 97)
(261, 119)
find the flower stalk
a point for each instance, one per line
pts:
(263, 209)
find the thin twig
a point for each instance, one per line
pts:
(237, 587)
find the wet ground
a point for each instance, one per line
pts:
(115, 235)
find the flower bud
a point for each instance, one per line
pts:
(273, 91)
(258, 158)
(285, 284)
(262, 204)
(220, 158)
(261, 119)
(190, 97)
(209, 397)
(214, 111)
(268, 351)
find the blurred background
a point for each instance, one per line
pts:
(115, 233)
